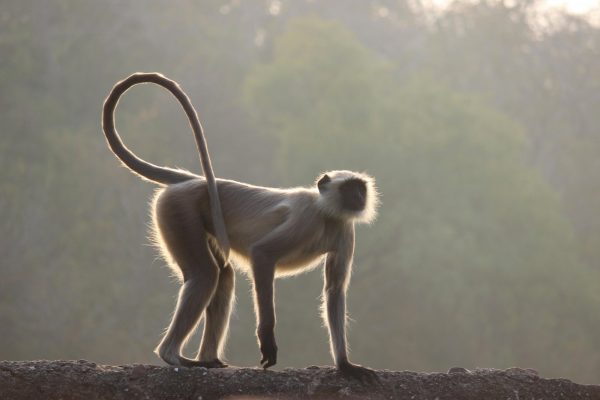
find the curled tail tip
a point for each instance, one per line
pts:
(144, 73)
(140, 75)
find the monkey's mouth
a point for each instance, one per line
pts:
(354, 195)
(355, 202)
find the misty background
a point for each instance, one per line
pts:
(480, 123)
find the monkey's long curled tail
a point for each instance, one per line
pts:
(155, 173)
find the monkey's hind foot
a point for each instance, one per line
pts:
(216, 363)
(363, 374)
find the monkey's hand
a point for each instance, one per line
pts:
(363, 374)
(268, 348)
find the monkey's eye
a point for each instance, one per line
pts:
(325, 179)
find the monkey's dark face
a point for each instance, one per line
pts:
(348, 195)
(353, 194)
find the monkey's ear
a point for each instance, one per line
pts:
(325, 179)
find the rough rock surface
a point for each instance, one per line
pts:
(86, 380)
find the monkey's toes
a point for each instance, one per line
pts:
(268, 363)
(269, 360)
(363, 374)
(268, 350)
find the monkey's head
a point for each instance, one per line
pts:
(348, 195)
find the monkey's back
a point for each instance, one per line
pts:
(250, 212)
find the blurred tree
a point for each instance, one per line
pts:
(335, 84)
(523, 62)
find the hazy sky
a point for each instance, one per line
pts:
(572, 6)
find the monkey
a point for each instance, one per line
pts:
(205, 227)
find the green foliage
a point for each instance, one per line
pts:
(324, 86)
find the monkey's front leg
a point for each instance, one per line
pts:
(336, 318)
(263, 269)
(337, 273)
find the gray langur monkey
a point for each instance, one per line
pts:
(271, 232)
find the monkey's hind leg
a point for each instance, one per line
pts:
(216, 323)
(188, 246)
